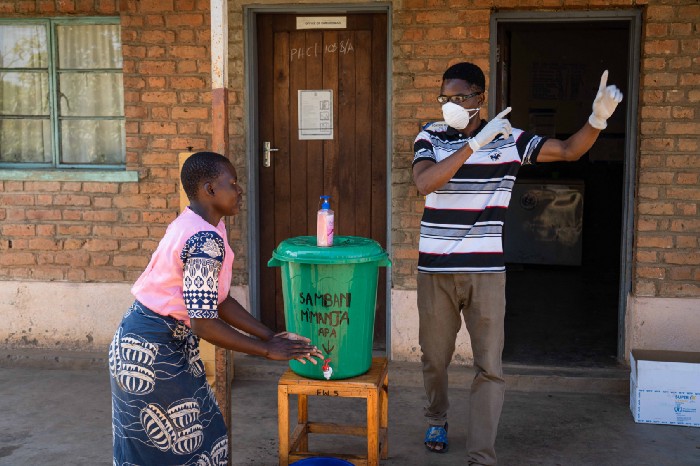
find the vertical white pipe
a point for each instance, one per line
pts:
(219, 142)
(219, 44)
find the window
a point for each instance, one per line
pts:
(61, 94)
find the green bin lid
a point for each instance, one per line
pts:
(345, 250)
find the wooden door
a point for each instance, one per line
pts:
(350, 166)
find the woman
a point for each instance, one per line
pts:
(163, 410)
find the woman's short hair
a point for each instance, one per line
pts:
(200, 168)
(468, 72)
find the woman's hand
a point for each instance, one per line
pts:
(295, 336)
(285, 346)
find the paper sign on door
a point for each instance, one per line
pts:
(316, 114)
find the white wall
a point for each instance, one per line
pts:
(64, 316)
(404, 331)
(67, 316)
(671, 324)
(77, 316)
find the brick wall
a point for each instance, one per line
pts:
(167, 102)
(426, 39)
(668, 196)
(106, 231)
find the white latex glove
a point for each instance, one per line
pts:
(493, 128)
(605, 103)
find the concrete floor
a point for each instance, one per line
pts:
(54, 414)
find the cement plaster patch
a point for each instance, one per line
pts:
(404, 331)
(67, 316)
(671, 324)
(83, 317)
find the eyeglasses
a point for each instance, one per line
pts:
(456, 99)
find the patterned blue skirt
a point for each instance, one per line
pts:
(163, 410)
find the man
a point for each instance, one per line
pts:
(466, 168)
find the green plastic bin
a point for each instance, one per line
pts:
(330, 295)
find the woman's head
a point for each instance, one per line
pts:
(200, 168)
(210, 178)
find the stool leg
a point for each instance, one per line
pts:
(373, 427)
(303, 419)
(283, 424)
(384, 416)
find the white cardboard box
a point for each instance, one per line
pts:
(665, 387)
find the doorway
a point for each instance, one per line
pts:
(321, 107)
(567, 275)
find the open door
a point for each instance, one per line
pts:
(335, 76)
(563, 300)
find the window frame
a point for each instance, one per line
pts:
(55, 119)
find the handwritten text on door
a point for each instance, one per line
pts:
(343, 47)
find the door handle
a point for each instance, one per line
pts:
(267, 150)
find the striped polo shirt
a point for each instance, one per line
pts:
(462, 226)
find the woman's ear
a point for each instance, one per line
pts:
(208, 188)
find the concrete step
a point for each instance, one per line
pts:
(610, 380)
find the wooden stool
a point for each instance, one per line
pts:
(373, 386)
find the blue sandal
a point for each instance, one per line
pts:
(436, 434)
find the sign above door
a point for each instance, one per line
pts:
(322, 22)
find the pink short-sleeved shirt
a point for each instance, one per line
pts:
(190, 272)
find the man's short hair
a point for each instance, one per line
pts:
(200, 168)
(468, 72)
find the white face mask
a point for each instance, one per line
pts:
(457, 116)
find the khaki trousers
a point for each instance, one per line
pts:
(480, 299)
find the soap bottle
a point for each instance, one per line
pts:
(324, 223)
